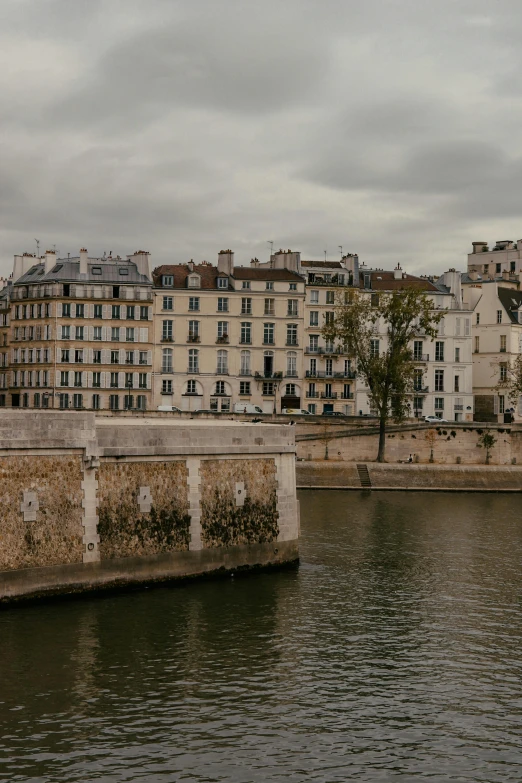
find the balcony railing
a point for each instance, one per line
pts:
(421, 389)
(193, 338)
(312, 395)
(222, 371)
(223, 340)
(266, 374)
(166, 339)
(458, 407)
(329, 350)
(245, 373)
(329, 396)
(348, 396)
(292, 343)
(291, 374)
(349, 374)
(421, 357)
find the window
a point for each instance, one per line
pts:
(457, 355)
(193, 335)
(129, 380)
(497, 268)
(499, 316)
(77, 401)
(374, 348)
(66, 332)
(64, 401)
(330, 297)
(456, 385)
(144, 313)
(503, 371)
(167, 281)
(439, 351)
(314, 297)
(292, 308)
(166, 331)
(439, 404)
(36, 401)
(115, 357)
(222, 331)
(114, 380)
(245, 363)
(80, 311)
(222, 362)
(222, 304)
(314, 343)
(114, 402)
(166, 387)
(501, 403)
(244, 387)
(314, 318)
(96, 270)
(131, 312)
(96, 402)
(129, 357)
(115, 333)
(80, 332)
(166, 360)
(141, 402)
(168, 303)
(222, 282)
(269, 307)
(246, 333)
(417, 405)
(312, 408)
(65, 355)
(193, 303)
(290, 390)
(477, 344)
(142, 380)
(417, 350)
(78, 355)
(96, 380)
(194, 281)
(64, 378)
(269, 285)
(291, 364)
(329, 317)
(268, 389)
(439, 380)
(193, 363)
(246, 306)
(503, 343)
(328, 370)
(512, 266)
(478, 319)
(291, 334)
(116, 311)
(293, 287)
(98, 311)
(96, 357)
(115, 291)
(66, 310)
(347, 393)
(268, 334)
(191, 387)
(246, 284)
(143, 357)
(220, 387)
(129, 334)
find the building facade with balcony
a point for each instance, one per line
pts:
(443, 384)
(227, 336)
(5, 319)
(80, 333)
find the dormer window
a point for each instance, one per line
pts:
(194, 281)
(293, 286)
(222, 282)
(246, 283)
(168, 281)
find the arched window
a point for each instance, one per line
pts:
(222, 362)
(290, 390)
(291, 364)
(193, 363)
(166, 362)
(245, 363)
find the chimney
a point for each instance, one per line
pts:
(254, 262)
(452, 280)
(17, 268)
(226, 262)
(49, 261)
(473, 274)
(142, 260)
(505, 274)
(83, 261)
(397, 273)
(479, 247)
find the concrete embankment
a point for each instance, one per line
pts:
(93, 503)
(349, 475)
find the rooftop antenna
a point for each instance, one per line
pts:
(325, 254)
(270, 242)
(37, 248)
(341, 249)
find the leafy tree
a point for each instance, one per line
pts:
(487, 440)
(359, 321)
(510, 382)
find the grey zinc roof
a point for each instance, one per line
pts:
(67, 270)
(322, 264)
(511, 300)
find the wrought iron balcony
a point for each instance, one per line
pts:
(421, 389)
(329, 396)
(348, 396)
(421, 357)
(312, 395)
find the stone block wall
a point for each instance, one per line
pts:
(76, 491)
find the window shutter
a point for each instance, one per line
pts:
(90, 355)
(495, 404)
(135, 379)
(136, 357)
(520, 406)
(144, 335)
(90, 310)
(121, 380)
(148, 380)
(84, 378)
(57, 378)
(105, 311)
(61, 331)
(89, 380)
(150, 313)
(71, 377)
(123, 311)
(105, 330)
(90, 333)
(59, 309)
(457, 327)
(149, 357)
(466, 327)
(104, 356)
(73, 310)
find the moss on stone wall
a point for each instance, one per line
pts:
(125, 530)
(55, 537)
(223, 523)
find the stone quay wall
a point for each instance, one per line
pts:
(89, 503)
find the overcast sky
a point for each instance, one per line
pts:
(390, 127)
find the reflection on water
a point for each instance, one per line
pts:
(394, 652)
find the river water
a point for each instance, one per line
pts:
(393, 653)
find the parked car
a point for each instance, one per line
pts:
(169, 408)
(333, 413)
(434, 420)
(296, 412)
